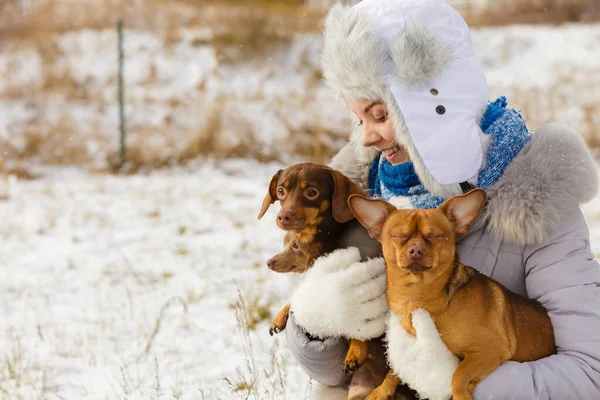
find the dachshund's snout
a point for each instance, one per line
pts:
(286, 219)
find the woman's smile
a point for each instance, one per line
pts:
(391, 153)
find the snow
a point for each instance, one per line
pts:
(538, 56)
(90, 260)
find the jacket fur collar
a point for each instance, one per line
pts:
(554, 173)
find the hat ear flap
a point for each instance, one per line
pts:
(418, 55)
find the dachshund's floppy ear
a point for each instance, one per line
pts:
(343, 187)
(271, 195)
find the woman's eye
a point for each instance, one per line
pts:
(280, 191)
(381, 119)
(312, 193)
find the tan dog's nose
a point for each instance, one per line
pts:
(416, 251)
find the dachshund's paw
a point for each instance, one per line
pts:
(356, 356)
(352, 363)
(350, 367)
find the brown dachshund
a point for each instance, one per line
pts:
(479, 320)
(310, 195)
(315, 213)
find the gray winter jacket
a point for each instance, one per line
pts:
(533, 239)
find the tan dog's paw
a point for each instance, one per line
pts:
(380, 393)
(278, 324)
(280, 321)
(387, 389)
(356, 356)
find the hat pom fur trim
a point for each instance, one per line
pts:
(357, 61)
(418, 54)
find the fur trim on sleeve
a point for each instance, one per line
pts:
(329, 300)
(424, 362)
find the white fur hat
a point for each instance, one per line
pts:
(416, 56)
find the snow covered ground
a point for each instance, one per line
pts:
(92, 264)
(129, 287)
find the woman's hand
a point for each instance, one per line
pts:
(341, 296)
(423, 361)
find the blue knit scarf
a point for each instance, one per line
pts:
(508, 134)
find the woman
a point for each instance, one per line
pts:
(425, 132)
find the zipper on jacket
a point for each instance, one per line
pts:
(469, 233)
(472, 231)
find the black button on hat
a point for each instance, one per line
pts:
(440, 110)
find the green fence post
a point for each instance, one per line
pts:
(121, 103)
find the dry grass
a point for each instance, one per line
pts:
(205, 142)
(255, 19)
(213, 139)
(250, 382)
(539, 107)
(59, 145)
(255, 22)
(592, 118)
(507, 12)
(21, 373)
(242, 31)
(56, 144)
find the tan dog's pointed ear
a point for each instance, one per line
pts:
(343, 188)
(371, 214)
(271, 195)
(463, 210)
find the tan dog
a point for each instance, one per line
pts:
(479, 320)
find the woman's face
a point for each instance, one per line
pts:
(378, 130)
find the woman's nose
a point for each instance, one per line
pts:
(369, 137)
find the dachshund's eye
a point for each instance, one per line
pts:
(280, 191)
(311, 193)
(295, 246)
